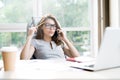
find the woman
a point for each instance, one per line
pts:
(49, 43)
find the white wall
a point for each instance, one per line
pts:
(115, 13)
(94, 24)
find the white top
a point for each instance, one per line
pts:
(43, 50)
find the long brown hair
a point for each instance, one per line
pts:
(40, 34)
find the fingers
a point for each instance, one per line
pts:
(34, 29)
(59, 31)
(31, 31)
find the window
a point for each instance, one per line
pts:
(73, 15)
(14, 15)
(15, 11)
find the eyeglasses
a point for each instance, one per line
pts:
(50, 26)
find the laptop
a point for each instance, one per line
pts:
(108, 54)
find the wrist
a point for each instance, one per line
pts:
(65, 40)
(29, 37)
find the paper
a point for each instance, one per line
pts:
(85, 59)
(43, 65)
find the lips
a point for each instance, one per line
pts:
(51, 32)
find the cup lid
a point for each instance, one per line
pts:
(8, 49)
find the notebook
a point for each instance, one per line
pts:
(108, 54)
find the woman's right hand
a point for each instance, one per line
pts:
(31, 31)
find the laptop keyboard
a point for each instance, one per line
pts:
(92, 65)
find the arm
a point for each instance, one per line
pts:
(28, 49)
(69, 49)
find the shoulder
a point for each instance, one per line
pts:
(37, 41)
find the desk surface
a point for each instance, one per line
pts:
(43, 69)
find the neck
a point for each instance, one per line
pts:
(48, 39)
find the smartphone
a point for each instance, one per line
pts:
(56, 34)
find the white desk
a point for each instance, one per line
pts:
(43, 69)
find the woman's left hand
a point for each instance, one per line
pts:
(61, 35)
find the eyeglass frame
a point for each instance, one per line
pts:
(49, 26)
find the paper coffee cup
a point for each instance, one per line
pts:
(9, 58)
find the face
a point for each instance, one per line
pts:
(49, 28)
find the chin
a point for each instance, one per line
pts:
(51, 35)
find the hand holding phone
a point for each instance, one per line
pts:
(61, 35)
